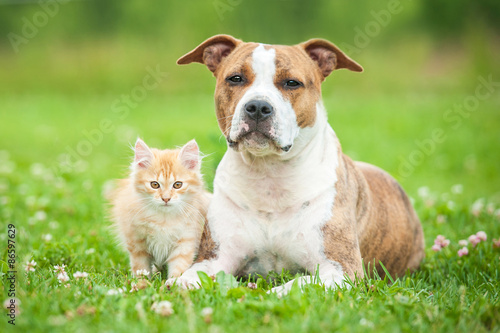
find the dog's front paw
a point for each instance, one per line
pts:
(281, 291)
(184, 282)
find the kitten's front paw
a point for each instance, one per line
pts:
(184, 282)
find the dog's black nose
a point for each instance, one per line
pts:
(258, 110)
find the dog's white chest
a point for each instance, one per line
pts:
(286, 240)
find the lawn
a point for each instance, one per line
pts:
(60, 145)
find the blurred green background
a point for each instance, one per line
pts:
(68, 65)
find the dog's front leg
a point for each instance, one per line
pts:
(330, 275)
(339, 256)
(190, 279)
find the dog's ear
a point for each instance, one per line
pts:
(211, 52)
(328, 56)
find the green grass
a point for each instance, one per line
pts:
(378, 116)
(448, 293)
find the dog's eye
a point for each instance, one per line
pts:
(235, 79)
(292, 84)
(155, 185)
(177, 185)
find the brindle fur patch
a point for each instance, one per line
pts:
(208, 248)
(388, 229)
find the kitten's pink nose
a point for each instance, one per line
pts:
(166, 199)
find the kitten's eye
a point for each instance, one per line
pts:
(177, 185)
(292, 84)
(155, 185)
(235, 79)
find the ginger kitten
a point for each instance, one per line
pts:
(160, 210)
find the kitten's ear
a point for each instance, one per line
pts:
(190, 155)
(143, 155)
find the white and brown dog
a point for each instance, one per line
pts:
(285, 196)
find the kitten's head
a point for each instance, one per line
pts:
(167, 179)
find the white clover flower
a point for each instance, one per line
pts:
(463, 242)
(7, 167)
(44, 201)
(80, 166)
(37, 169)
(141, 272)
(47, 237)
(40, 215)
(441, 218)
(429, 203)
(4, 186)
(80, 275)
(8, 303)
(4, 201)
(63, 277)
(163, 308)
(90, 251)
(457, 189)
(30, 266)
(477, 207)
(30, 201)
(252, 285)
(113, 292)
(59, 269)
(205, 312)
(364, 322)
(490, 208)
(423, 192)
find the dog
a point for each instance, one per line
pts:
(285, 196)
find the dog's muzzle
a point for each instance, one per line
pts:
(256, 129)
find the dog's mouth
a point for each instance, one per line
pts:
(257, 141)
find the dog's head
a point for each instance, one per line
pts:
(266, 94)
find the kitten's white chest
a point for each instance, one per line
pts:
(161, 240)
